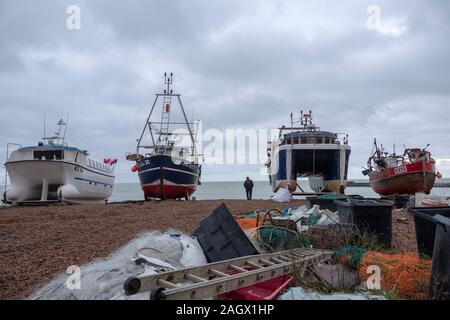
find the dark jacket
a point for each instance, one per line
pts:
(248, 184)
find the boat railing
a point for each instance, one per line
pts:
(342, 138)
(339, 139)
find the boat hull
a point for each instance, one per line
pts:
(407, 179)
(56, 180)
(162, 178)
(329, 163)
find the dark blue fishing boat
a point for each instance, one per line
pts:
(167, 170)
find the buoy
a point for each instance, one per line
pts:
(134, 168)
(439, 175)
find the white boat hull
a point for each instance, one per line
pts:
(49, 180)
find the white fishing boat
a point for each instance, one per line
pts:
(54, 171)
(306, 151)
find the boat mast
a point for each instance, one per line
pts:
(165, 114)
(57, 138)
(165, 120)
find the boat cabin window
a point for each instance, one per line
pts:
(48, 155)
(312, 139)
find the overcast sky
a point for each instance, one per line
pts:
(239, 64)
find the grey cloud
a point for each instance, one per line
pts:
(238, 64)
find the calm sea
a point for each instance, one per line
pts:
(235, 190)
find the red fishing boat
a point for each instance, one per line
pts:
(392, 174)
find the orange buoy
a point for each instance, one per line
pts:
(134, 168)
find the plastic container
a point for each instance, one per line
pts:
(371, 215)
(426, 227)
(267, 290)
(221, 238)
(328, 202)
(440, 270)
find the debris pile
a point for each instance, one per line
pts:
(403, 275)
(224, 246)
(298, 293)
(426, 200)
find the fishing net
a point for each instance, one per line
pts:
(274, 238)
(312, 219)
(350, 255)
(103, 279)
(405, 275)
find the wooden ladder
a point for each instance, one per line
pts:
(220, 277)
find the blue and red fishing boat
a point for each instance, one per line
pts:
(167, 165)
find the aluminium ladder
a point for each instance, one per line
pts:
(220, 277)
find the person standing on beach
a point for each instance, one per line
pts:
(248, 185)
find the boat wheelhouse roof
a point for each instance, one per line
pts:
(48, 146)
(310, 137)
(297, 134)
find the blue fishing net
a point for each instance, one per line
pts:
(275, 237)
(355, 254)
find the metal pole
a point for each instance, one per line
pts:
(65, 128)
(189, 127)
(146, 124)
(44, 127)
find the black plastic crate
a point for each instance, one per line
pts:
(221, 238)
(328, 203)
(440, 270)
(371, 215)
(426, 227)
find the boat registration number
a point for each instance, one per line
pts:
(401, 169)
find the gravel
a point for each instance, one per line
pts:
(37, 243)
